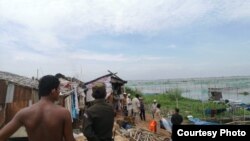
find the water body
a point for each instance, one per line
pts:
(197, 88)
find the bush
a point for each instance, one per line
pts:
(174, 94)
(133, 92)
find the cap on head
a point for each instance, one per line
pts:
(154, 100)
(99, 90)
(128, 94)
(125, 93)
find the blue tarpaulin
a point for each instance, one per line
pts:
(197, 121)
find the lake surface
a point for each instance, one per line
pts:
(197, 88)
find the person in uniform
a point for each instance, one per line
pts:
(99, 118)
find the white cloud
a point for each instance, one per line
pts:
(41, 33)
(116, 16)
(76, 19)
(109, 15)
(234, 9)
(98, 57)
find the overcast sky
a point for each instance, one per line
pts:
(139, 39)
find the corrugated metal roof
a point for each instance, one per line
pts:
(113, 76)
(20, 80)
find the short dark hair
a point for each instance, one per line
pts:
(177, 110)
(99, 91)
(46, 84)
(158, 105)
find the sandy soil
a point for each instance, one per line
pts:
(145, 124)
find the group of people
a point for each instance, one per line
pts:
(134, 107)
(48, 121)
(176, 118)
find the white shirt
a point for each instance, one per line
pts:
(135, 104)
(154, 107)
(129, 104)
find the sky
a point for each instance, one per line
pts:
(137, 39)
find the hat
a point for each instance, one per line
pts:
(125, 93)
(140, 98)
(99, 90)
(128, 94)
(154, 100)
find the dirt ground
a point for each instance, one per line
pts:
(145, 124)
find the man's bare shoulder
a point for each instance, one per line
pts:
(41, 107)
(62, 109)
(24, 111)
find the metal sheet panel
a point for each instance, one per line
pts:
(10, 93)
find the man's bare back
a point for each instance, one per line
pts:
(44, 121)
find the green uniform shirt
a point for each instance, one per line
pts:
(98, 121)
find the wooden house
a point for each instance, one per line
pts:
(114, 87)
(16, 92)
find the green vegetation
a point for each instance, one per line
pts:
(133, 92)
(196, 108)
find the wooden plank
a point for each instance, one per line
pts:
(3, 91)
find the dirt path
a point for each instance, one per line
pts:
(145, 124)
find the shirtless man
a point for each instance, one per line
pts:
(44, 121)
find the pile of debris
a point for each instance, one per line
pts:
(126, 130)
(139, 134)
(134, 133)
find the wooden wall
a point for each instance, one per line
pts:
(22, 96)
(3, 90)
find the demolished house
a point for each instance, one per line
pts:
(114, 88)
(16, 92)
(72, 96)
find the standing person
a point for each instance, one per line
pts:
(136, 105)
(158, 116)
(124, 104)
(44, 121)
(142, 109)
(99, 118)
(129, 105)
(153, 108)
(176, 118)
(116, 99)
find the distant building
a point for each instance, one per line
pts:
(215, 93)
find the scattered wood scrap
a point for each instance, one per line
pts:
(139, 134)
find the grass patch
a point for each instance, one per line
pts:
(196, 108)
